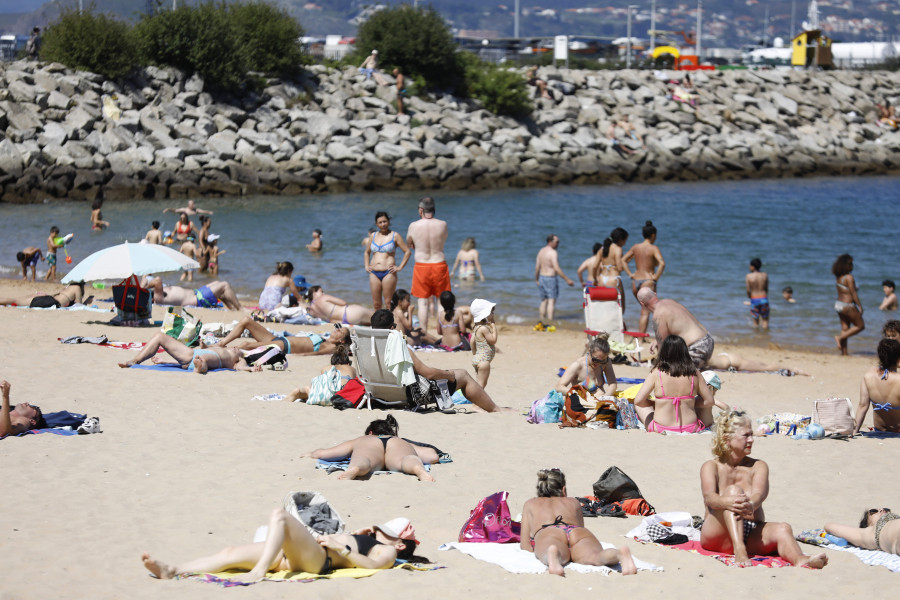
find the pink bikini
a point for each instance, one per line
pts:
(695, 427)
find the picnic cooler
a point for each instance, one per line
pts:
(132, 301)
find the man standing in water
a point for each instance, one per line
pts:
(431, 277)
(546, 269)
(189, 210)
(758, 292)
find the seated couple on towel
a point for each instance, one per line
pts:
(457, 379)
(199, 360)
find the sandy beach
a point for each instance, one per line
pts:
(188, 464)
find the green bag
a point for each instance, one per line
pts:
(185, 329)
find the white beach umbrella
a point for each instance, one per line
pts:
(119, 262)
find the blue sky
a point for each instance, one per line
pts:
(19, 6)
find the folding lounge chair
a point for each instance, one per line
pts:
(603, 315)
(368, 347)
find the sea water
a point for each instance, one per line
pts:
(708, 232)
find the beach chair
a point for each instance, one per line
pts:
(603, 315)
(381, 386)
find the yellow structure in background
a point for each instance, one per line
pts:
(811, 49)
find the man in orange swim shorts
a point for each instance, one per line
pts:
(431, 276)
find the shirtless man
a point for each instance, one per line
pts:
(546, 269)
(588, 267)
(29, 257)
(457, 379)
(199, 360)
(314, 344)
(618, 146)
(207, 296)
(671, 318)
(19, 419)
(758, 292)
(190, 210)
(890, 295)
(71, 294)
(154, 236)
(648, 267)
(431, 276)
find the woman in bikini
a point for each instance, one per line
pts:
(379, 449)
(734, 487)
(289, 546)
(97, 222)
(277, 285)
(451, 325)
(408, 323)
(881, 388)
(879, 529)
(675, 385)
(593, 371)
(848, 307)
(648, 268)
(380, 260)
(183, 228)
(467, 261)
(335, 310)
(609, 266)
(553, 528)
(332, 380)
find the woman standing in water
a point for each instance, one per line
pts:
(381, 262)
(848, 307)
(648, 268)
(607, 272)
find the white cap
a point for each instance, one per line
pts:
(712, 379)
(374, 51)
(399, 528)
(212, 237)
(481, 309)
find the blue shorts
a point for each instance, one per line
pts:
(205, 298)
(549, 285)
(759, 308)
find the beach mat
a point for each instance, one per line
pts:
(54, 431)
(879, 435)
(222, 578)
(773, 562)
(873, 558)
(515, 560)
(172, 367)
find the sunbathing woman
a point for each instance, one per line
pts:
(881, 388)
(381, 262)
(675, 384)
(553, 528)
(311, 344)
(335, 310)
(289, 546)
(879, 529)
(379, 449)
(408, 323)
(277, 285)
(451, 325)
(72, 294)
(594, 371)
(332, 380)
(199, 360)
(734, 487)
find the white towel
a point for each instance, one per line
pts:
(515, 560)
(875, 558)
(397, 359)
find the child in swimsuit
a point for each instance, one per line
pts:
(484, 338)
(677, 413)
(467, 261)
(451, 325)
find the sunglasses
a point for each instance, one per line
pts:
(873, 511)
(597, 361)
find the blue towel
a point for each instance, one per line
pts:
(53, 431)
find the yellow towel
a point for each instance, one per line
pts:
(354, 573)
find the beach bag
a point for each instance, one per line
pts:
(184, 328)
(425, 392)
(131, 300)
(314, 511)
(490, 521)
(323, 387)
(615, 485)
(627, 417)
(835, 415)
(350, 396)
(270, 355)
(547, 409)
(576, 415)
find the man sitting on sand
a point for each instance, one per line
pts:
(457, 379)
(671, 318)
(199, 360)
(313, 344)
(207, 296)
(20, 419)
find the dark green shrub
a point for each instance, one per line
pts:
(221, 43)
(415, 39)
(91, 42)
(501, 91)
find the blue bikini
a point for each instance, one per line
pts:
(389, 247)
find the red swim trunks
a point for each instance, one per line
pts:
(430, 279)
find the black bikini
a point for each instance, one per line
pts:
(384, 440)
(364, 545)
